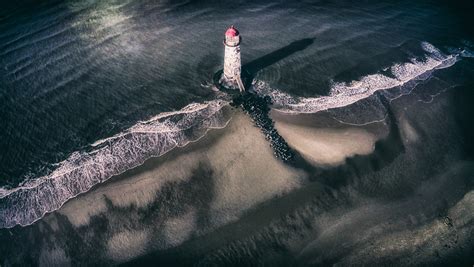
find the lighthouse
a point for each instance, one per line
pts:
(231, 77)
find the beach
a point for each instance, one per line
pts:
(351, 145)
(210, 198)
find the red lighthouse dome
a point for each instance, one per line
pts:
(232, 37)
(231, 32)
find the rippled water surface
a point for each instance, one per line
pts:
(74, 72)
(91, 89)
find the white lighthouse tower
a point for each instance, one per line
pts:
(231, 78)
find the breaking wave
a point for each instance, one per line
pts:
(77, 174)
(404, 76)
(105, 158)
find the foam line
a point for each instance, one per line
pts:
(343, 94)
(82, 170)
(111, 156)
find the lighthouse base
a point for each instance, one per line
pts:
(231, 84)
(223, 83)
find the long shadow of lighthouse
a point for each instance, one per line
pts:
(251, 68)
(258, 107)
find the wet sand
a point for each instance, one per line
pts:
(185, 193)
(324, 141)
(408, 202)
(388, 189)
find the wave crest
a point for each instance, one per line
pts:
(29, 202)
(343, 94)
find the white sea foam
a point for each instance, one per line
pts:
(81, 170)
(28, 202)
(342, 94)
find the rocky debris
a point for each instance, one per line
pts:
(258, 108)
(448, 221)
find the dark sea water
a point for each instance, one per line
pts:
(91, 89)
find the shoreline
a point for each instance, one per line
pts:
(227, 188)
(157, 172)
(324, 141)
(224, 110)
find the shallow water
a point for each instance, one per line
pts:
(91, 89)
